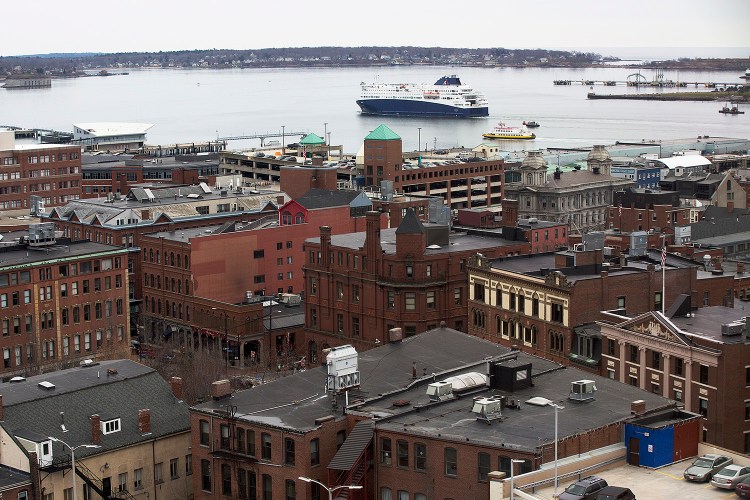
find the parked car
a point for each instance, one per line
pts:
(703, 468)
(743, 488)
(615, 493)
(730, 476)
(584, 489)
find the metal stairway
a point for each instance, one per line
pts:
(96, 484)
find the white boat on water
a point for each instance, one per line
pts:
(502, 131)
(447, 97)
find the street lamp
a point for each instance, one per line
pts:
(513, 461)
(419, 140)
(283, 140)
(73, 458)
(331, 490)
(556, 407)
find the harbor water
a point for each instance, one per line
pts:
(196, 105)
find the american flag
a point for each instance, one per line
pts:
(663, 255)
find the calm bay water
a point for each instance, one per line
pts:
(200, 104)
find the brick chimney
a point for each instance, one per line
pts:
(372, 239)
(395, 335)
(510, 213)
(638, 407)
(144, 421)
(325, 245)
(96, 429)
(221, 389)
(176, 384)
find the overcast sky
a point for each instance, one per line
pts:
(46, 26)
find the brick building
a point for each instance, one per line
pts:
(545, 304)
(194, 277)
(361, 285)
(379, 428)
(646, 210)
(460, 183)
(135, 420)
(50, 171)
(698, 357)
(61, 302)
(124, 222)
(106, 175)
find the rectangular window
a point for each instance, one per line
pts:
(451, 462)
(391, 300)
(430, 300)
(226, 479)
(557, 312)
(703, 407)
(355, 293)
(386, 454)
(137, 479)
(188, 465)
(265, 443)
(205, 475)
(258, 254)
(122, 482)
(205, 439)
(634, 353)
(224, 439)
(289, 451)
(402, 453)
(267, 487)
(420, 456)
(678, 366)
(483, 466)
(410, 301)
(655, 359)
(158, 473)
(457, 296)
(703, 374)
(315, 452)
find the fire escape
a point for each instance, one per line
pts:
(353, 461)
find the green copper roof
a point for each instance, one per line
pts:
(311, 139)
(382, 133)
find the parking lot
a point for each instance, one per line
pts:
(647, 484)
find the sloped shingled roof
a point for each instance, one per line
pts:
(82, 392)
(382, 133)
(326, 198)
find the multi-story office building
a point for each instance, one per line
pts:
(50, 171)
(61, 303)
(699, 357)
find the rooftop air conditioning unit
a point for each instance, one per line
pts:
(439, 391)
(488, 409)
(582, 390)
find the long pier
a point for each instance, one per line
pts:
(656, 83)
(262, 137)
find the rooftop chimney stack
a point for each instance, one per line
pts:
(144, 421)
(221, 389)
(638, 407)
(176, 384)
(96, 429)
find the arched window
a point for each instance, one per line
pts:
(158, 282)
(180, 312)
(159, 306)
(171, 258)
(187, 313)
(144, 255)
(151, 255)
(187, 287)
(158, 257)
(186, 262)
(166, 308)
(179, 286)
(153, 305)
(174, 309)
(179, 260)
(173, 285)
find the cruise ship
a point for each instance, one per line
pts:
(447, 97)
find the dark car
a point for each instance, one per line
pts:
(743, 488)
(704, 468)
(615, 493)
(584, 489)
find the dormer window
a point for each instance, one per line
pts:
(110, 426)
